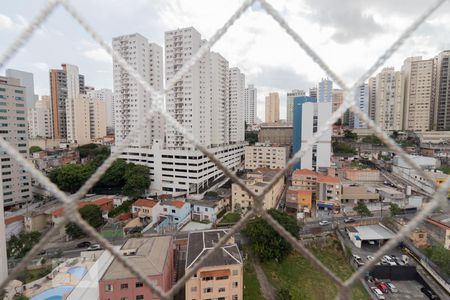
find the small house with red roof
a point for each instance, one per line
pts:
(171, 214)
(143, 208)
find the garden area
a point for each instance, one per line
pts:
(230, 218)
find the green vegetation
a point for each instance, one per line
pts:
(18, 245)
(124, 208)
(303, 280)
(21, 297)
(267, 244)
(137, 180)
(91, 214)
(359, 164)
(230, 218)
(238, 209)
(35, 149)
(372, 139)
(445, 169)
(28, 276)
(251, 137)
(362, 210)
(343, 148)
(93, 150)
(440, 256)
(252, 289)
(350, 135)
(395, 209)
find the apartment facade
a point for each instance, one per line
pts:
(305, 180)
(438, 227)
(106, 95)
(280, 134)
(338, 99)
(237, 89)
(97, 117)
(298, 123)
(329, 189)
(250, 104)
(441, 105)
(81, 128)
(389, 100)
(265, 156)
(362, 102)
(256, 182)
(40, 119)
(131, 100)
(272, 108)
(16, 182)
(27, 81)
(290, 103)
(155, 253)
(325, 90)
(372, 97)
(418, 80)
(221, 276)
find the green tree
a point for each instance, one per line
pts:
(18, 245)
(21, 297)
(283, 294)
(115, 175)
(362, 210)
(350, 135)
(93, 150)
(372, 139)
(343, 148)
(137, 181)
(395, 209)
(124, 208)
(251, 137)
(267, 244)
(35, 149)
(70, 178)
(91, 214)
(440, 256)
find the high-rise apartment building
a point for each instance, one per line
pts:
(337, 100)
(250, 104)
(13, 119)
(298, 123)
(441, 105)
(27, 81)
(66, 85)
(40, 119)
(106, 95)
(81, 131)
(272, 110)
(362, 102)
(313, 92)
(97, 117)
(237, 90)
(131, 100)
(418, 81)
(389, 100)
(325, 90)
(290, 103)
(372, 97)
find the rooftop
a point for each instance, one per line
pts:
(150, 257)
(304, 172)
(172, 202)
(145, 202)
(374, 232)
(207, 203)
(200, 243)
(328, 179)
(443, 218)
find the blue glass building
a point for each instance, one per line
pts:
(297, 123)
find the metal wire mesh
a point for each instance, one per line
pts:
(72, 215)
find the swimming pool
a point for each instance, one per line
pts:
(55, 293)
(77, 271)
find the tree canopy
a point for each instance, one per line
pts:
(251, 137)
(440, 256)
(35, 149)
(267, 244)
(343, 148)
(91, 214)
(362, 210)
(93, 150)
(395, 209)
(18, 245)
(372, 139)
(350, 135)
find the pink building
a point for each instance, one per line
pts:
(153, 256)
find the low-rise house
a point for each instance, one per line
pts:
(329, 191)
(438, 226)
(257, 181)
(298, 201)
(221, 275)
(354, 193)
(143, 208)
(170, 213)
(305, 180)
(363, 175)
(152, 256)
(205, 210)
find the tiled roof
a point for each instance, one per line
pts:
(304, 172)
(145, 202)
(13, 219)
(328, 179)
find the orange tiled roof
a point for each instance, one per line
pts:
(325, 178)
(305, 193)
(13, 219)
(145, 202)
(178, 204)
(305, 172)
(101, 201)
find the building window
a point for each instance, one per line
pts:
(235, 297)
(235, 272)
(124, 286)
(208, 278)
(235, 284)
(193, 289)
(221, 277)
(207, 290)
(123, 298)
(108, 288)
(140, 297)
(139, 284)
(221, 290)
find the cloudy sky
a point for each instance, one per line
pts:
(348, 34)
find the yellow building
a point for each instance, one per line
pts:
(221, 276)
(256, 181)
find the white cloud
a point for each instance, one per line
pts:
(5, 22)
(99, 55)
(41, 66)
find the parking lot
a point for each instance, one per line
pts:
(406, 290)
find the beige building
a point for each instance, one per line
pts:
(418, 81)
(280, 134)
(290, 103)
(352, 194)
(305, 180)
(98, 116)
(40, 119)
(265, 156)
(337, 99)
(272, 109)
(329, 189)
(221, 276)
(81, 121)
(256, 181)
(389, 100)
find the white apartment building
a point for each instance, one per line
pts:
(265, 156)
(372, 97)
(250, 104)
(418, 80)
(131, 101)
(13, 119)
(27, 81)
(40, 119)
(272, 109)
(314, 116)
(220, 81)
(325, 90)
(362, 102)
(72, 104)
(389, 100)
(290, 103)
(106, 95)
(237, 88)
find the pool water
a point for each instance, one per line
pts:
(55, 293)
(77, 271)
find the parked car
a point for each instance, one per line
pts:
(392, 287)
(378, 293)
(358, 260)
(94, 247)
(383, 287)
(429, 293)
(349, 220)
(388, 260)
(371, 242)
(324, 223)
(84, 244)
